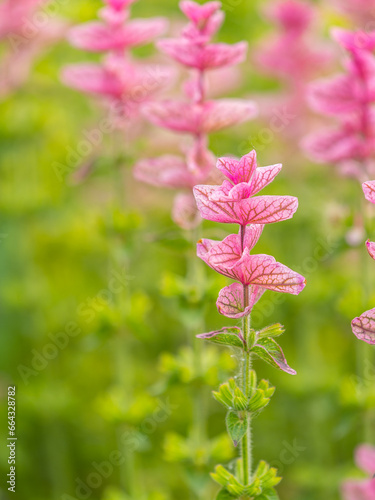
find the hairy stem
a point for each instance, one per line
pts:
(246, 443)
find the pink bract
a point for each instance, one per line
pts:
(120, 4)
(365, 458)
(362, 489)
(369, 190)
(371, 248)
(231, 300)
(210, 56)
(364, 326)
(292, 15)
(184, 212)
(99, 37)
(204, 118)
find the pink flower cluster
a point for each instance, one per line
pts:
(292, 56)
(26, 31)
(195, 115)
(124, 84)
(359, 11)
(234, 202)
(350, 97)
(289, 54)
(362, 489)
(364, 326)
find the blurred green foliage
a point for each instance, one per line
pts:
(98, 269)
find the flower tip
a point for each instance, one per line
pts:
(199, 242)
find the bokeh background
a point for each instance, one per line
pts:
(96, 266)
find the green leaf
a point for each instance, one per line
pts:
(269, 495)
(270, 351)
(236, 426)
(225, 495)
(226, 336)
(271, 331)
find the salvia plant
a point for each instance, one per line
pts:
(196, 115)
(364, 326)
(23, 40)
(362, 489)
(293, 54)
(349, 98)
(124, 84)
(350, 146)
(243, 396)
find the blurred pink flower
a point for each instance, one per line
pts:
(199, 118)
(104, 37)
(348, 97)
(290, 55)
(359, 11)
(25, 39)
(195, 115)
(125, 85)
(362, 489)
(294, 56)
(14, 13)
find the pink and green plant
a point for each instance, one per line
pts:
(362, 489)
(243, 397)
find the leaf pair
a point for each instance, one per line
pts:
(265, 346)
(261, 488)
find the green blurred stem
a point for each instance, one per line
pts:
(200, 392)
(246, 443)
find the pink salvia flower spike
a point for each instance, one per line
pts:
(254, 274)
(196, 114)
(362, 489)
(123, 85)
(364, 326)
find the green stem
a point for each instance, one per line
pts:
(246, 444)
(246, 367)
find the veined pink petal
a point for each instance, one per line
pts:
(371, 248)
(264, 271)
(365, 458)
(205, 118)
(238, 170)
(229, 251)
(369, 190)
(257, 210)
(340, 94)
(205, 57)
(364, 326)
(98, 37)
(199, 13)
(264, 176)
(230, 302)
